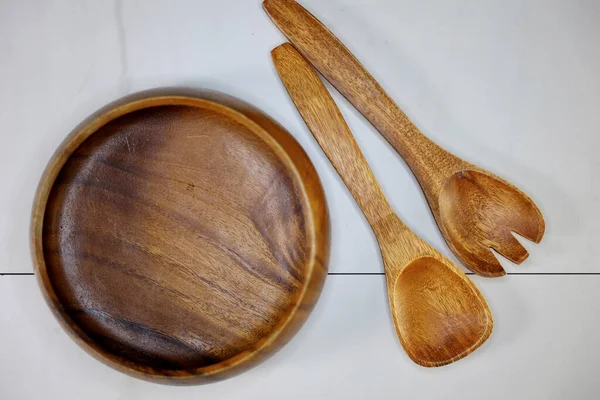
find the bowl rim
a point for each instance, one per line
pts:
(305, 179)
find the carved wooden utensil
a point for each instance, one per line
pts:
(180, 237)
(474, 209)
(439, 314)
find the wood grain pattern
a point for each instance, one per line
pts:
(181, 238)
(439, 314)
(474, 209)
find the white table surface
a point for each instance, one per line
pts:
(510, 85)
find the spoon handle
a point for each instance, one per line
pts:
(335, 62)
(323, 118)
(439, 314)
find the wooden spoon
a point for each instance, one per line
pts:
(475, 210)
(439, 314)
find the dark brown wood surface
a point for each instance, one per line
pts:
(439, 314)
(181, 239)
(475, 210)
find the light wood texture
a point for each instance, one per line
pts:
(439, 314)
(180, 237)
(474, 209)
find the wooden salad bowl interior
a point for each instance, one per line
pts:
(181, 238)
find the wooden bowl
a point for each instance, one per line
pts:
(180, 237)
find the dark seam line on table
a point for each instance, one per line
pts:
(471, 273)
(17, 273)
(545, 273)
(356, 273)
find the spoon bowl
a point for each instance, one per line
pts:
(435, 332)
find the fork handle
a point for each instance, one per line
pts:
(325, 121)
(335, 62)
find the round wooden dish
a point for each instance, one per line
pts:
(180, 237)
